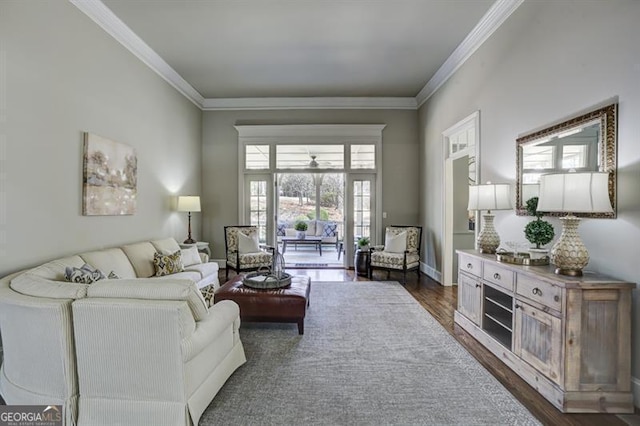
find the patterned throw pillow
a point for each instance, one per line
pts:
(113, 276)
(281, 229)
(330, 230)
(167, 264)
(86, 274)
(208, 294)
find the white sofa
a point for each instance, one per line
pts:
(133, 350)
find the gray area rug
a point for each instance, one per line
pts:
(370, 355)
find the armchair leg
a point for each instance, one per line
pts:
(226, 273)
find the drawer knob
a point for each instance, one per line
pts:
(556, 298)
(469, 266)
(496, 276)
(536, 291)
(477, 285)
(518, 306)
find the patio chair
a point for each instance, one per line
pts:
(244, 253)
(401, 251)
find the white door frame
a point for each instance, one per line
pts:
(471, 121)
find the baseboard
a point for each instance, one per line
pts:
(635, 388)
(431, 272)
(221, 263)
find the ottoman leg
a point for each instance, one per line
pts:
(301, 326)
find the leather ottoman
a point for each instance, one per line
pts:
(278, 305)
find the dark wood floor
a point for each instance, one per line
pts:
(440, 302)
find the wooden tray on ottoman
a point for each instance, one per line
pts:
(269, 305)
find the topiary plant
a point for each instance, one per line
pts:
(300, 226)
(538, 232)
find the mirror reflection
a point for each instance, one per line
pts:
(584, 143)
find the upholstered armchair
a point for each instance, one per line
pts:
(244, 252)
(400, 252)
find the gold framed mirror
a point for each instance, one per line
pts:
(583, 143)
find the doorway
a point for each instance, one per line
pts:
(461, 147)
(318, 200)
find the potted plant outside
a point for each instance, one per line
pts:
(300, 228)
(538, 232)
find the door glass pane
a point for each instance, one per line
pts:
(256, 157)
(361, 208)
(363, 156)
(258, 207)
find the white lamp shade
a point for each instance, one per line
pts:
(586, 192)
(189, 203)
(492, 196)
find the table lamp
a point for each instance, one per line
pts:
(189, 203)
(491, 196)
(577, 192)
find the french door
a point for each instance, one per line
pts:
(258, 204)
(361, 211)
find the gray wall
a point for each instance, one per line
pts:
(547, 61)
(400, 162)
(61, 75)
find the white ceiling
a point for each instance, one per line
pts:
(298, 48)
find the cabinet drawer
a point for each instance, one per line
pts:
(539, 291)
(498, 275)
(470, 265)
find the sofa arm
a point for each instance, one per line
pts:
(222, 315)
(153, 289)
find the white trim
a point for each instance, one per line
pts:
(447, 256)
(431, 272)
(334, 131)
(226, 104)
(108, 21)
(635, 388)
(491, 21)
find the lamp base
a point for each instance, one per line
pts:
(569, 253)
(190, 241)
(488, 239)
(569, 272)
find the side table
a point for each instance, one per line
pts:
(202, 246)
(361, 263)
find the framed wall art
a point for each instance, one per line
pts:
(110, 177)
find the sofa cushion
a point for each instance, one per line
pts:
(112, 259)
(55, 269)
(167, 264)
(182, 275)
(166, 245)
(311, 227)
(153, 289)
(141, 257)
(34, 285)
(204, 269)
(191, 256)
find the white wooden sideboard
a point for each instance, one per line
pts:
(568, 337)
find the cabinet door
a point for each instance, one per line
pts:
(469, 297)
(538, 340)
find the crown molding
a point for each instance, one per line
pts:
(491, 21)
(108, 21)
(297, 131)
(309, 103)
